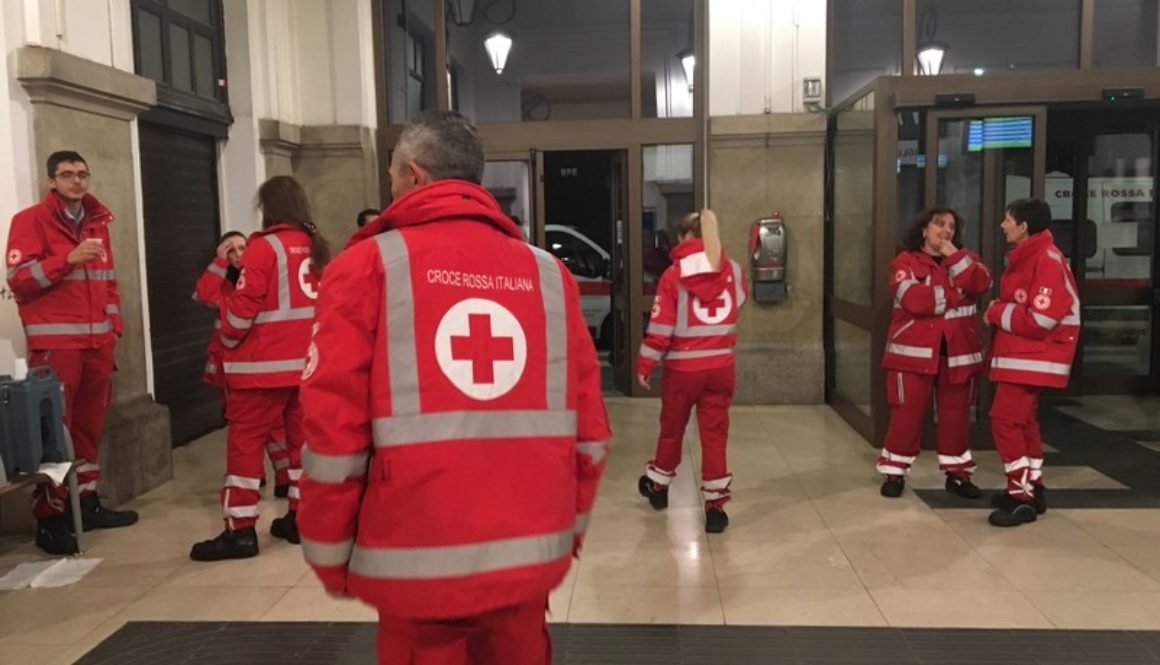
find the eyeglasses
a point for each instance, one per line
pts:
(71, 175)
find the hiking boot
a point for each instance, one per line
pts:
(1015, 513)
(892, 487)
(715, 520)
(286, 528)
(658, 497)
(96, 516)
(55, 536)
(1005, 501)
(963, 487)
(238, 544)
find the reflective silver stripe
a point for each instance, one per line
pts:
(112, 309)
(327, 555)
(238, 322)
(264, 367)
(277, 445)
(295, 314)
(597, 450)
(216, 269)
(909, 351)
(37, 271)
(217, 324)
(69, 328)
(402, 358)
(1021, 463)
(404, 430)
(660, 329)
(964, 360)
(1041, 366)
(950, 460)
(717, 484)
(737, 285)
(1071, 320)
(229, 342)
(649, 352)
(707, 331)
(556, 328)
(901, 459)
(242, 511)
(283, 271)
(241, 482)
(81, 274)
(901, 388)
(961, 312)
(704, 353)
(293, 493)
(682, 309)
(418, 563)
(960, 266)
(1045, 322)
(581, 522)
(902, 289)
(1005, 320)
(940, 300)
(902, 329)
(334, 468)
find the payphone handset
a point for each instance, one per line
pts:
(768, 246)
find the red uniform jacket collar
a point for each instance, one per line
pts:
(1033, 245)
(95, 211)
(445, 200)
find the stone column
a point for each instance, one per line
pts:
(81, 105)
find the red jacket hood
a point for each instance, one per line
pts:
(1030, 247)
(703, 285)
(440, 201)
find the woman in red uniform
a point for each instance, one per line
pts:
(693, 329)
(933, 345)
(265, 332)
(213, 289)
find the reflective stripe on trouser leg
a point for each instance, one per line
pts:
(716, 491)
(953, 405)
(908, 395)
(294, 441)
(658, 475)
(279, 453)
(254, 415)
(1012, 418)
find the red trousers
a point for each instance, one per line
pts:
(254, 415)
(276, 449)
(908, 394)
(510, 636)
(711, 391)
(1015, 429)
(88, 393)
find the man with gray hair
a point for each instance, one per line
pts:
(455, 427)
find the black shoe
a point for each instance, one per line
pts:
(1040, 499)
(286, 528)
(96, 516)
(715, 520)
(963, 487)
(892, 487)
(262, 482)
(55, 536)
(281, 491)
(657, 498)
(239, 544)
(1016, 513)
(1005, 501)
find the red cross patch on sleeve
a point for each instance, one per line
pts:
(1042, 301)
(14, 257)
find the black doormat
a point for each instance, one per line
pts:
(319, 643)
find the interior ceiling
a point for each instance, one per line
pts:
(531, 15)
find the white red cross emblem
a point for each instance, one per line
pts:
(481, 348)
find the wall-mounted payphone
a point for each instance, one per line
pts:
(768, 247)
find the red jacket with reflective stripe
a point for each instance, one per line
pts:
(455, 425)
(1036, 317)
(214, 290)
(694, 316)
(932, 302)
(266, 321)
(63, 306)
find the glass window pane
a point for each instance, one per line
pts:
(410, 55)
(853, 360)
(853, 204)
(1117, 341)
(867, 41)
(510, 183)
(150, 63)
(911, 167)
(668, 196)
(568, 61)
(179, 58)
(666, 40)
(203, 66)
(198, 10)
(1001, 34)
(1126, 33)
(1120, 204)
(960, 179)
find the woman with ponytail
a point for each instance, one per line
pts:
(265, 331)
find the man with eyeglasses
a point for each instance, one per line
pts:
(60, 268)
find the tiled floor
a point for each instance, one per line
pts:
(811, 543)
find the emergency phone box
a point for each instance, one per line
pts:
(31, 421)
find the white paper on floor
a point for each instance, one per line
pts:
(48, 574)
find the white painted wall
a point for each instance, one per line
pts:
(759, 51)
(241, 167)
(97, 30)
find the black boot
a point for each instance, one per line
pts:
(1040, 499)
(1013, 513)
(1005, 501)
(239, 544)
(892, 487)
(715, 520)
(96, 516)
(286, 528)
(55, 536)
(963, 487)
(657, 498)
(281, 491)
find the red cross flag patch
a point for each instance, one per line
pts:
(1042, 301)
(1020, 296)
(14, 257)
(1045, 290)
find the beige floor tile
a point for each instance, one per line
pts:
(59, 616)
(795, 562)
(30, 654)
(307, 604)
(758, 606)
(206, 604)
(649, 564)
(640, 524)
(933, 608)
(645, 604)
(1078, 569)
(280, 564)
(1100, 609)
(931, 566)
(560, 600)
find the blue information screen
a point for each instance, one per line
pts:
(1000, 133)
